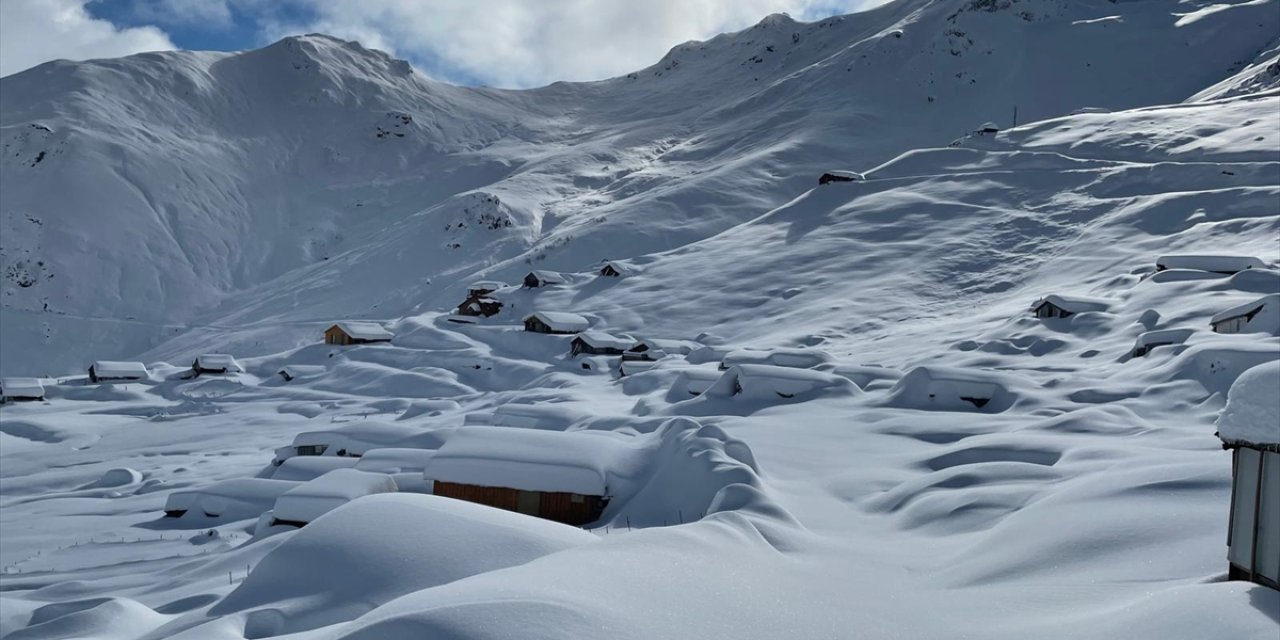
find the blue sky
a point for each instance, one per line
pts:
(507, 43)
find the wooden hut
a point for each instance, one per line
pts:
(1060, 306)
(113, 371)
(1261, 315)
(611, 269)
(536, 279)
(598, 343)
(483, 288)
(480, 305)
(555, 322)
(1250, 428)
(557, 475)
(840, 176)
(21, 390)
(346, 333)
(215, 363)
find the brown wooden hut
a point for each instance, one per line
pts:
(345, 333)
(557, 475)
(479, 305)
(555, 322)
(598, 343)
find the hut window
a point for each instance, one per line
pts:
(576, 498)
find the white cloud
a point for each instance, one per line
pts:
(520, 43)
(36, 31)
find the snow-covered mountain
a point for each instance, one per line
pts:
(853, 425)
(315, 179)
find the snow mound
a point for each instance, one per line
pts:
(1252, 414)
(118, 477)
(98, 618)
(355, 438)
(1149, 340)
(370, 551)
(395, 460)
(796, 358)
(940, 388)
(312, 499)
(1214, 263)
(304, 468)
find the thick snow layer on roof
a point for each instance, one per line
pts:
(304, 468)
(766, 381)
(554, 416)
(235, 499)
(547, 277)
(953, 389)
(218, 361)
(22, 387)
(682, 347)
(1074, 304)
(1263, 313)
(600, 339)
(395, 460)
(373, 550)
(119, 369)
(1252, 414)
(365, 431)
(530, 459)
(365, 330)
(795, 358)
(490, 285)
(851, 175)
(561, 320)
(314, 498)
(1162, 336)
(1221, 264)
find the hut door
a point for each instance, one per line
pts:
(528, 502)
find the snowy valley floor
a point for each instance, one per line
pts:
(1087, 497)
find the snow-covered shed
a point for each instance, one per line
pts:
(840, 176)
(953, 389)
(693, 382)
(1060, 306)
(557, 475)
(1250, 427)
(21, 389)
(352, 332)
(766, 381)
(611, 269)
(1226, 265)
(355, 438)
(314, 498)
(235, 499)
(479, 305)
(1257, 316)
(1159, 338)
(395, 460)
(112, 371)
(782, 357)
(215, 363)
(556, 322)
(540, 278)
(654, 348)
(598, 343)
(291, 372)
(483, 288)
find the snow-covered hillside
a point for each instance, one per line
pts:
(315, 178)
(853, 423)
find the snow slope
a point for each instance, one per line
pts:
(208, 206)
(869, 494)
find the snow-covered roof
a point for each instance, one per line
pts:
(491, 285)
(361, 431)
(1246, 308)
(561, 320)
(764, 381)
(364, 330)
(602, 340)
(314, 498)
(547, 277)
(629, 367)
(989, 126)
(395, 460)
(235, 498)
(305, 468)
(217, 361)
(617, 266)
(1163, 336)
(682, 347)
(118, 369)
(783, 357)
(1073, 304)
(1217, 263)
(22, 387)
(1252, 414)
(529, 459)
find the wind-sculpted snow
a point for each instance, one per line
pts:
(851, 416)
